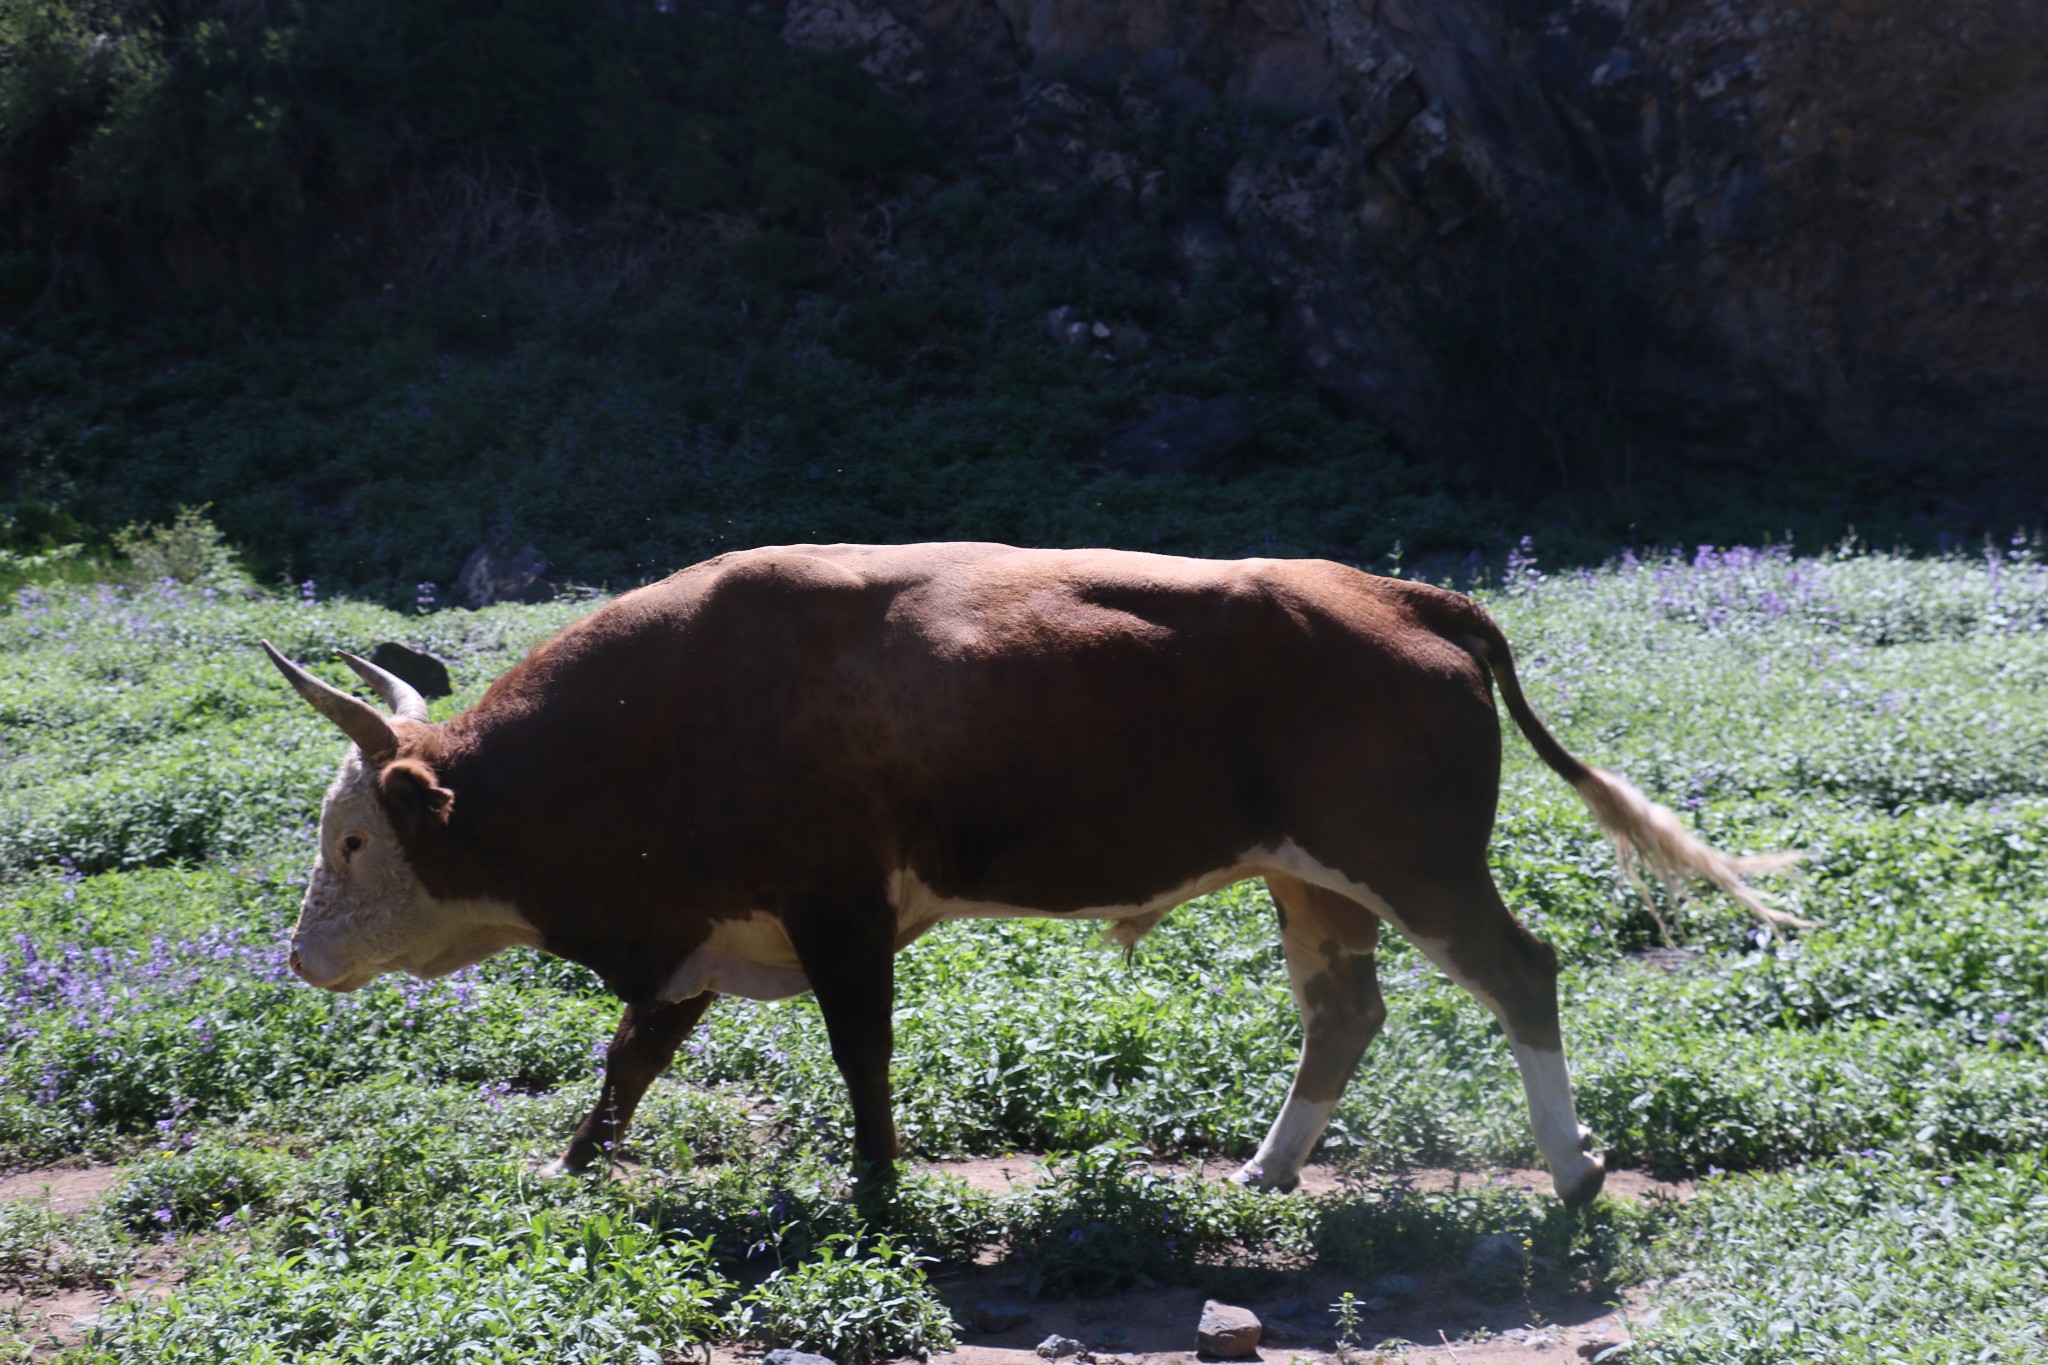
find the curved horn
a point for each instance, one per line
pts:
(398, 694)
(359, 720)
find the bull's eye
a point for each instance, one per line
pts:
(351, 844)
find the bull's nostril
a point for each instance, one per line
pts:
(298, 967)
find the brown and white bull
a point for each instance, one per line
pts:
(771, 772)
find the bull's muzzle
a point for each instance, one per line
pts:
(308, 973)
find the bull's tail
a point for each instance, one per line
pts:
(1646, 836)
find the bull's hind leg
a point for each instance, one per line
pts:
(641, 1050)
(1331, 942)
(1469, 933)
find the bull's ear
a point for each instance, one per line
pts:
(415, 799)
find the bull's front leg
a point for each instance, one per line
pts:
(641, 1050)
(847, 948)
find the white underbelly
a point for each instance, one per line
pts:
(753, 958)
(918, 907)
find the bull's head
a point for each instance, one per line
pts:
(366, 912)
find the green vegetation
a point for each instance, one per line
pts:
(230, 124)
(1880, 1084)
(382, 282)
(1920, 1266)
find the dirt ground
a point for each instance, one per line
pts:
(47, 1319)
(1134, 1327)
(1157, 1326)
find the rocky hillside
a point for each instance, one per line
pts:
(1570, 231)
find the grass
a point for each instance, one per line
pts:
(348, 1177)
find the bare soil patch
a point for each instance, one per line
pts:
(1001, 1174)
(1157, 1326)
(47, 1316)
(47, 1319)
(1444, 1324)
(60, 1189)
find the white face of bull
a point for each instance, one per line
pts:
(365, 911)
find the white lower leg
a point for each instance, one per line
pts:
(1277, 1164)
(1547, 1082)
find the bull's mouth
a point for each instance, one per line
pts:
(339, 985)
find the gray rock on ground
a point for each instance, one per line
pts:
(1227, 1332)
(1492, 1250)
(1062, 1348)
(997, 1315)
(785, 1356)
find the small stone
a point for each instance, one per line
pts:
(1228, 1332)
(1533, 1338)
(1057, 1347)
(785, 1356)
(996, 1315)
(1066, 325)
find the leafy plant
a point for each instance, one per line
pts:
(212, 1187)
(595, 1289)
(856, 1299)
(1106, 1218)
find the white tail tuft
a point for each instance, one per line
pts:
(1647, 835)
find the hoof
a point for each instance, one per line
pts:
(560, 1169)
(1254, 1175)
(1582, 1188)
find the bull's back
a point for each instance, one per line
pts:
(1064, 730)
(1044, 729)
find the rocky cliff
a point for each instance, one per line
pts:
(1567, 229)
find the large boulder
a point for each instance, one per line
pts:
(1727, 229)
